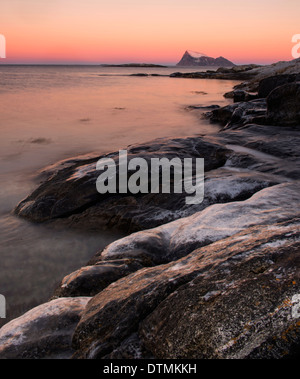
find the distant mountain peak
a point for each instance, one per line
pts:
(193, 58)
(195, 54)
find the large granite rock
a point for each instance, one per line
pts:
(284, 105)
(71, 193)
(240, 95)
(267, 85)
(239, 265)
(175, 240)
(268, 149)
(68, 194)
(258, 74)
(239, 304)
(239, 114)
(73, 188)
(236, 262)
(280, 108)
(44, 332)
(151, 248)
(90, 280)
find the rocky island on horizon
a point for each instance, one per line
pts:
(193, 58)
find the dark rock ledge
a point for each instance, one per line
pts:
(280, 107)
(216, 280)
(69, 195)
(250, 75)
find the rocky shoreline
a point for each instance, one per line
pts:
(212, 280)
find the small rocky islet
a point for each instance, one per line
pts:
(218, 279)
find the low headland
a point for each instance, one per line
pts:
(134, 65)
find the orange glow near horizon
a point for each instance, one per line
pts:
(119, 31)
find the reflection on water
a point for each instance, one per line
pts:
(52, 113)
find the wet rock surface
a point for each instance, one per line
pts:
(177, 239)
(90, 280)
(240, 95)
(237, 262)
(70, 193)
(284, 104)
(281, 107)
(245, 313)
(252, 262)
(239, 114)
(269, 71)
(267, 85)
(44, 332)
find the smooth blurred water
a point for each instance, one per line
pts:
(49, 113)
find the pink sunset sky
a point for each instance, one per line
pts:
(153, 31)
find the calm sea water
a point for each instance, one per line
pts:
(49, 113)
